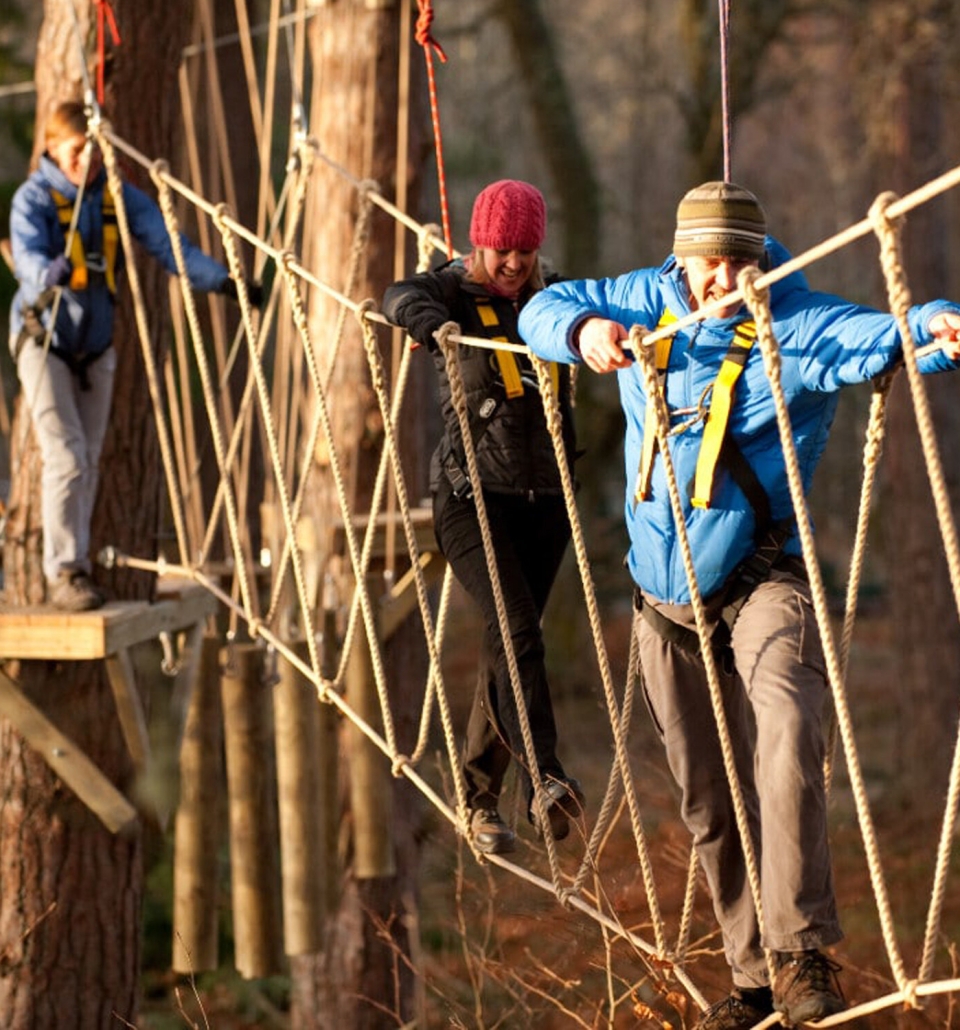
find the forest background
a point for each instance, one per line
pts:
(613, 111)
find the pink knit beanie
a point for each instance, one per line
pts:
(509, 215)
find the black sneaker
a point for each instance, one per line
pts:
(806, 987)
(563, 800)
(743, 1009)
(491, 835)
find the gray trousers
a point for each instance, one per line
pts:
(70, 424)
(773, 697)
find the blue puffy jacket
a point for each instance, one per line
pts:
(85, 317)
(825, 342)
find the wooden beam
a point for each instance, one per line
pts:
(402, 598)
(123, 682)
(66, 759)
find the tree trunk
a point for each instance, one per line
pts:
(70, 891)
(362, 979)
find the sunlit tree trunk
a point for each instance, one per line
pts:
(363, 977)
(70, 891)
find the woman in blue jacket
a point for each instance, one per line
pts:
(742, 535)
(66, 370)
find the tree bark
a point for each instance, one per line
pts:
(363, 978)
(70, 891)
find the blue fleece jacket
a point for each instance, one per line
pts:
(825, 342)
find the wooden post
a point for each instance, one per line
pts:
(254, 864)
(198, 821)
(371, 783)
(302, 844)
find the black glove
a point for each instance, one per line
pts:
(254, 291)
(58, 272)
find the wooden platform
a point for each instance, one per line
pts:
(45, 632)
(107, 634)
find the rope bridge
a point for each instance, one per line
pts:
(290, 487)
(293, 421)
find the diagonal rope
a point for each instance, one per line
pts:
(758, 301)
(888, 231)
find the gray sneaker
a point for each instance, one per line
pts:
(741, 1010)
(74, 592)
(805, 987)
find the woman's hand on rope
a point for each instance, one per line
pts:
(945, 329)
(600, 342)
(254, 291)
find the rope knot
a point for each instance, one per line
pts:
(746, 283)
(566, 896)
(397, 766)
(909, 990)
(443, 334)
(879, 219)
(422, 32)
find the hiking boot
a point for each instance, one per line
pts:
(806, 987)
(491, 835)
(564, 801)
(741, 1010)
(74, 592)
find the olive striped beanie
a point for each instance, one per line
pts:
(720, 219)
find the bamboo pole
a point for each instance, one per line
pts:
(198, 821)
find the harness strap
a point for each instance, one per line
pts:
(80, 277)
(649, 449)
(715, 428)
(507, 361)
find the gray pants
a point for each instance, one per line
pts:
(773, 698)
(70, 424)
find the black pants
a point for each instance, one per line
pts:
(529, 538)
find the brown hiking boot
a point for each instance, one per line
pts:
(563, 800)
(743, 1009)
(74, 592)
(806, 987)
(491, 835)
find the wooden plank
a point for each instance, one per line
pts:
(66, 759)
(41, 632)
(402, 598)
(422, 519)
(123, 681)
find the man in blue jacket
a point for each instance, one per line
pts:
(66, 367)
(745, 553)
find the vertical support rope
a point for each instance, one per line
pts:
(551, 408)
(429, 44)
(899, 295)
(758, 302)
(143, 329)
(655, 396)
(725, 84)
(459, 401)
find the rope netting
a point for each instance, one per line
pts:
(286, 405)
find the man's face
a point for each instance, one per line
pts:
(711, 278)
(69, 157)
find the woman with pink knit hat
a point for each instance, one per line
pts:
(483, 293)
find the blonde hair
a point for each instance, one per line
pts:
(68, 118)
(478, 272)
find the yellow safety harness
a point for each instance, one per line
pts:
(80, 277)
(506, 360)
(715, 419)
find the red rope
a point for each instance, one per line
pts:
(105, 17)
(429, 44)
